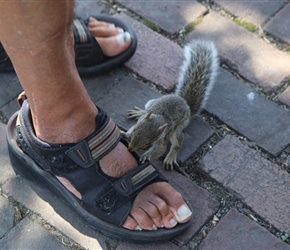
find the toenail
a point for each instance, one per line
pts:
(183, 212)
(123, 38)
(111, 25)
(162, 225)
(173, 222)
(120, 30)
(154, 227)
(138, 228)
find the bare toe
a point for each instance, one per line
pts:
(114, 45)
(113, 40)
(103, 29)
(161, 205)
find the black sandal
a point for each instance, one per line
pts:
(89, 56)
(106, 201)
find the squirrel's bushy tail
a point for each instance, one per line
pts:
(198, 73)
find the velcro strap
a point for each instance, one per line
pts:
(128, 187)
(135, 180)
(86, 153)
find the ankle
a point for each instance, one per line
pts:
(65, 125)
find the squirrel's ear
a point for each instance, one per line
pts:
(148, 115)
(161, 128)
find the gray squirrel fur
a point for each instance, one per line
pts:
(163, 120)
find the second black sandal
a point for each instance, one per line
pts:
(90, 59)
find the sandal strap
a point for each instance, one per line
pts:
(87, 152)
(87, 50)
(127, 187)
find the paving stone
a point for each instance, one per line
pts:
(30, 235)
(86, 8)
(171, 16)
(236, 231)
(259, 183)
(196, 134)
(157, 59)
(164, 246)
(100, 86)
(279, 25)
(246, 53)
(285, 96)
(56, 213)
(121, 93)
(10, 87)
(6, 171)
(10, 108)
(204, 205)
(124, 95)
(252, 11)
(7, 216)
(250, 114)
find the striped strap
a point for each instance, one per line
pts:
(101, 143)
(81, 33)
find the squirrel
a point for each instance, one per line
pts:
(163, 120)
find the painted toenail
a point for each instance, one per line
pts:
(123, 38)
(173, 222)
(138, 228)
(183, 212)
(154, 227)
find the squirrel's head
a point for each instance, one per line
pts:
(147, 130)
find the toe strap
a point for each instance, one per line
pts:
(127, 187)
(87, 50)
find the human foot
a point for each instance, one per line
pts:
(157, 205)
(116, 43)
(113, 40)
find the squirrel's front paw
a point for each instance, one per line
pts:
(135, 113)
(169, 163)
(145, 157)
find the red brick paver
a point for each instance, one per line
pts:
(251, 56)
(249, 113)
(175, 14)
(157, 58)
(261, 184)
(285, 96)
(279, 25)
(30, 235)
(252, 11)
(236, 231)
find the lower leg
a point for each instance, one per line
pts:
(42, 53)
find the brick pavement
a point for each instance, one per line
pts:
(236, 152)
